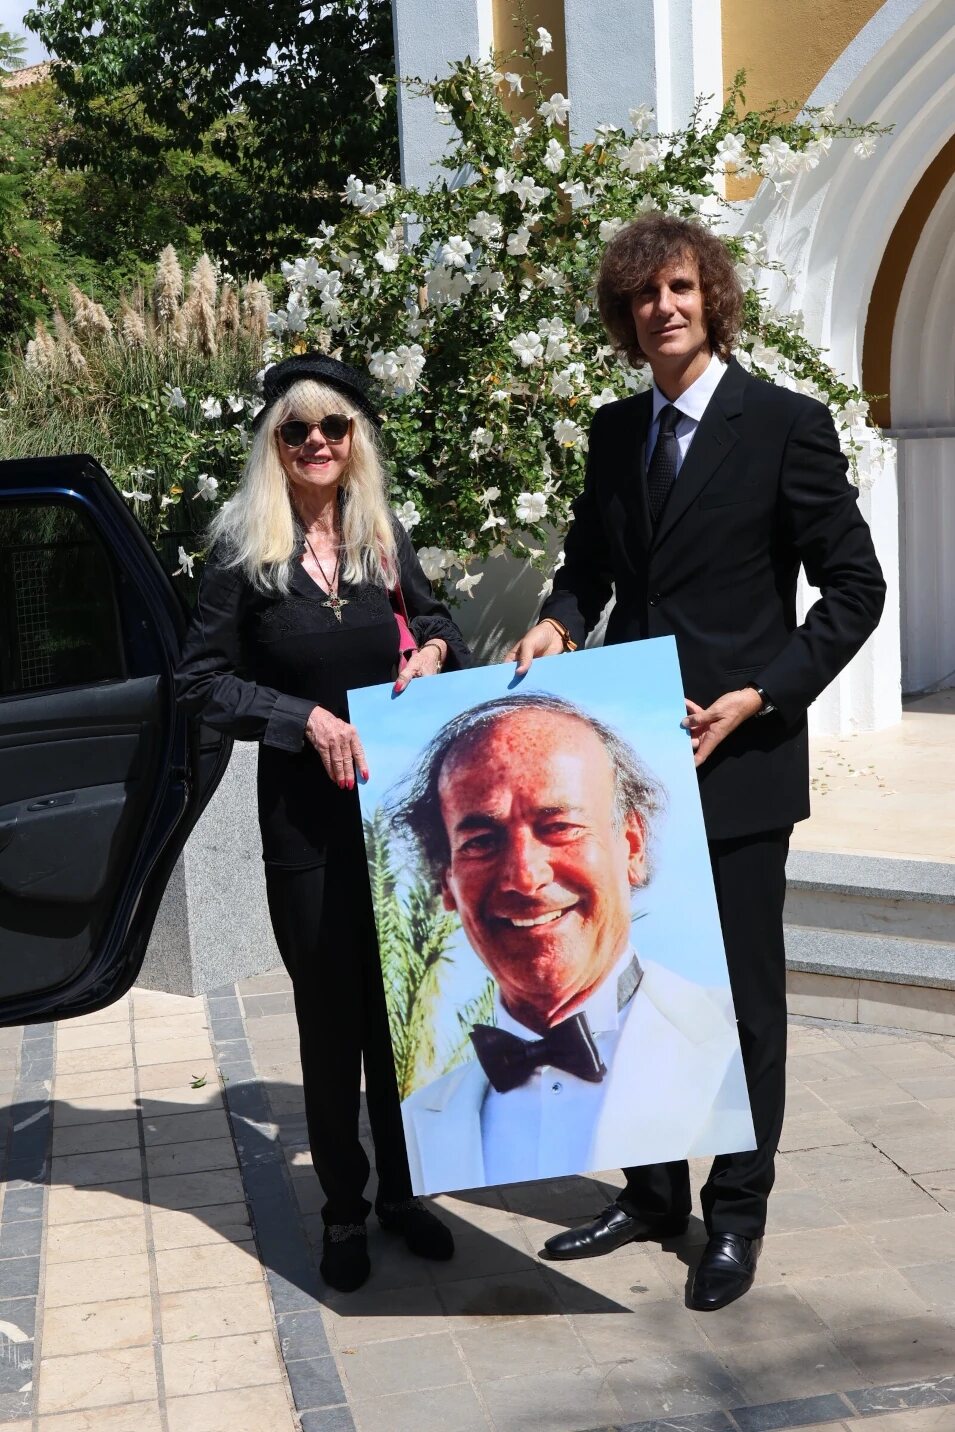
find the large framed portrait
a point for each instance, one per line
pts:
(557, 988)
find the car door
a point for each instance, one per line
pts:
(101, 777)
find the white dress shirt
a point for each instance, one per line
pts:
(691, 406)
(554, 1112)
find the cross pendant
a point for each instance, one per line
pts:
(335, 602)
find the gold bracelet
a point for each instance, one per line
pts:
(568, 642)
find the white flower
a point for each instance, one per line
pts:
(408, 515)
(731, 151)
(600, 400)
(552, 278)
(581, 314)
(468, 582)
(236, 404)
(641, 116)
(486, 226)
(185, 564)
(638, 155)
(819, 147)
(554, 110)
(609, 227)
(135, 495)
(530, 506)
(455, 250)
(211, 409)
(578, 194)
(516, 83)
(865, 145)
(492, 522)
(498, 314)
(565, 383)
(544, 41)
(482, 438)
(568, 433)
(554, 156)
(381, 91)
(546, 588)
(174, 398)
(399, 368)
(826, 114)
(490, 494)
(528, 192)
(776, 157)
(207, 487)
(488, 280)
(503, 180)
(528, 347)
(432, 562)
(354, 188)
(518, 241)
(256, 406)
(552, 327)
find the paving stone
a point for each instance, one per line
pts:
(180, 1129)
(113, 1166)
(789, 1367)
(211, 1265)
(249, 1409)
(92, 1138)
(193, 1190)
(189, 1228)
(908, 1241)
(443, 1409)
(403, 1365)
(934, 1392)
(682, 1381)
(109, 1377)
(105, 1238)
(96, 1280)
(193, 1156)
(559, 1401)
(877, 1295)
(94, 1327)
(140, 1417)
(794, 1412)
(933, 1283)
(370, 1315)
(314, 1382)
(906, 1348)
(881, 1201)
(20, 1277)
(510, 1349)
(221, 1364)
(21, 1239)
(95, 1109)
(207, 1313)
(796, 1209)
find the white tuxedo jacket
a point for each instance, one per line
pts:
(674, 1089)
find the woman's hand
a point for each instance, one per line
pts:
(339, 747)
(542, 640)
(426, 661)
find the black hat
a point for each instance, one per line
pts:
(354, 384)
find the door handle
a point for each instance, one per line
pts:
(51, 802)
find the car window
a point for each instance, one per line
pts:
(59, 621)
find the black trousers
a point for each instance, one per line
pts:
(750, 879)
(325, 931)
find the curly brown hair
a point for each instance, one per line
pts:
(639, 250)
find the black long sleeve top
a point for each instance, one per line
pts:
(256, 664)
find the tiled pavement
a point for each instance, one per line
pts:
(163, 1251)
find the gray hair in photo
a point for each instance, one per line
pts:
(415, 807)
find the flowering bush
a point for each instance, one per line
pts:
(472, 303)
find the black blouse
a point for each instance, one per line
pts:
(255, 664)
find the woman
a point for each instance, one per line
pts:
(296, 605)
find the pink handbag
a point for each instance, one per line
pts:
(407, 645)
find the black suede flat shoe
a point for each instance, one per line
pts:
(345, 1263)
(423, 1232)
(610, 1230)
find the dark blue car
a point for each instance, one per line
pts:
(101, 778)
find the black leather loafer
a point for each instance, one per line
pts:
(725, 1272)
(611, 1229)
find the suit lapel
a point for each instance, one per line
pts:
(712, 443)
(632, 483)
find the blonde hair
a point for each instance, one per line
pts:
(258, 529)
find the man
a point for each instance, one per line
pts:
(535, 822)
(702, 498)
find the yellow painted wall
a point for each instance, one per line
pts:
(508, 36)
(785, 47)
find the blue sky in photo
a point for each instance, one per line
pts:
(636, 688)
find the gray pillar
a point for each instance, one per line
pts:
(429, 36)
(623, 53)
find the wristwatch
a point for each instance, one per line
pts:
(565, 636)
(767, 706)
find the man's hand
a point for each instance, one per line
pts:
(708, 728)
(339, 747)
(542, 640)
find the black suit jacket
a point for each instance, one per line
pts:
(762, 490)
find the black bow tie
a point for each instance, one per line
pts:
(508, 1060)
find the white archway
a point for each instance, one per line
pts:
(831, 230)
(923, 418)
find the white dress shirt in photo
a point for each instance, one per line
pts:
(554, 1112)
(691, 406)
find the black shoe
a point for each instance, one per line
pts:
(609, 1230)
(423, 1232)
(725, 1272)
(345, 1264)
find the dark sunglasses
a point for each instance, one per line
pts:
(334, 429)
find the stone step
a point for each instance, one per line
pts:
(871, 940)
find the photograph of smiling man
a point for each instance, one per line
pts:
(558, 991)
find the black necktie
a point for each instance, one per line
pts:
(661, 473)
(508, 1060)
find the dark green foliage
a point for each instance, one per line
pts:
(264, 109)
